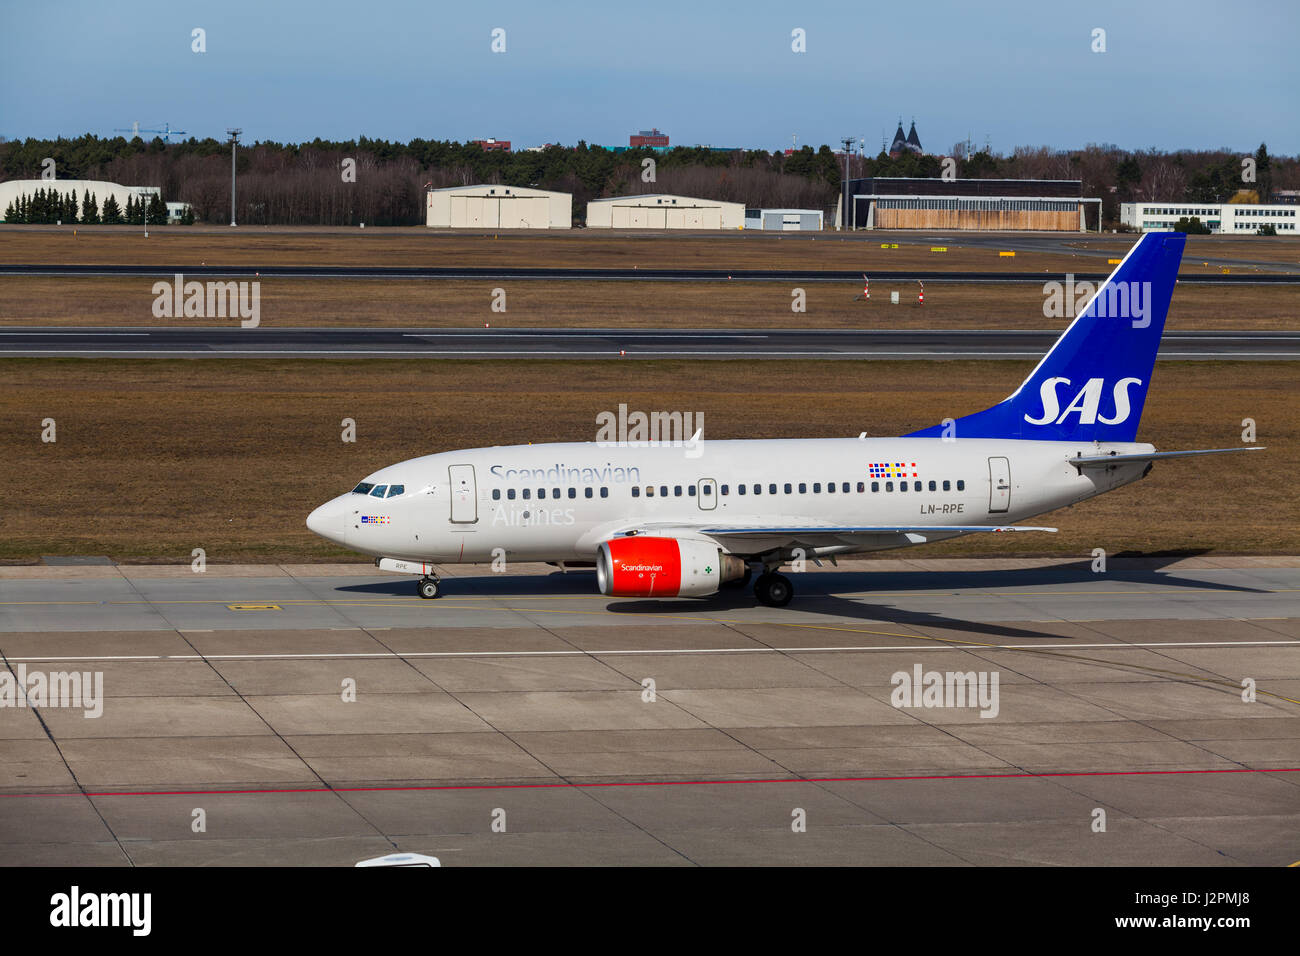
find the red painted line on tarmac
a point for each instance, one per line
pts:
(656, 783)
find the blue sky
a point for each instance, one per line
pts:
(1175, 74)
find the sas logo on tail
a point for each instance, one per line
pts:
(1086, 403)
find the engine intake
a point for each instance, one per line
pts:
(639, 566)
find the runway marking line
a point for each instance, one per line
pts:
(661, 783)
(665, 651)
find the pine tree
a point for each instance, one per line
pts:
(157, 210)
(130, 210)
(187, 217)
(112, 212)
(10, 212)
(90, 210)
(70, 208)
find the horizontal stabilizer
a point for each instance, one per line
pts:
(1096, 461)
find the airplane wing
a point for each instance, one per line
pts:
(741, 539)
(1101, 461)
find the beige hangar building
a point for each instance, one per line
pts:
(497, 207)
(659, 211)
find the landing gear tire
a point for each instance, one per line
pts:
(773, 590)
(430, 588)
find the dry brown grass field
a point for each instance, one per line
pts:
(253, 245)
(156, 458)
(127, 301)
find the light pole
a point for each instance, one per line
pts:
(844, 202)
(234, 141)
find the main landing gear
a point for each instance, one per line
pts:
(430, 588)
(774, 590)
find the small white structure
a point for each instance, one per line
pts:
(497, 207)
(11, 190)
(176, 211)
(1241, 219)
(783, 219)
(659, 211)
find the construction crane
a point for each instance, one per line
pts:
(165, 132)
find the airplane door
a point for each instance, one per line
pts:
(999, 485)
(464, 496)
(708, 494)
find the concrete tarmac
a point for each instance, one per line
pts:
(324, 714)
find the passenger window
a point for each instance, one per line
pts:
(740, 489)
(803, 487)
(496, 494)
(830, 487)
(862, 486)
(709, 490)
(636, 491)
(690, 491)
(555, 492)
(649, 491)
(889, 486)
(902, 486)
(573, 492)
(789, 488)
(510, 493)
(947, 485)
(758, 489)
(726, 489)
(528, 493)
(588, 491)
(933, 486)
(677, 491)
(663, 491)
(541, 493)
(604, 492)
(395, 490)
(961, 484)
(771, 489)
(875, 486)
(845, 488)
(916, 486)
(817, 487)
(379, 491)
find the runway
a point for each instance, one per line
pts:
(684, 732)
(608, 275)
(576, 343)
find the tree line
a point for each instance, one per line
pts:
(49, 206)
(382, 183)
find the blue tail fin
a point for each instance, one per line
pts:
(1093, 383)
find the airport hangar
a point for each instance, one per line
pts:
(662, 211)
(14, 189)
(490, 206)
(1004, 205)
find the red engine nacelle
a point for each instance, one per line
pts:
(639, 566)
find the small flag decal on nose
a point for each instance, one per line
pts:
(376, 519)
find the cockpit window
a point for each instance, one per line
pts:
(379, 491)
(362, 489)
(395, 490)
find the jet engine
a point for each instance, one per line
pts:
(641, 566)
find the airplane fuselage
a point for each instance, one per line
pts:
(558, 502)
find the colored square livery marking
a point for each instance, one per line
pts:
(897, 469)
(376, 519)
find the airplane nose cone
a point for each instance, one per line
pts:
(328, 522)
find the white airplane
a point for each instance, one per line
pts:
(667, 521)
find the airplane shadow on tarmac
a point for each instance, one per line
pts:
(820, 593)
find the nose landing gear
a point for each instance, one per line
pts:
(430, 588)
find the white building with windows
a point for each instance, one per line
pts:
(1241, 219)
(12, 190)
